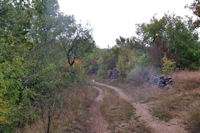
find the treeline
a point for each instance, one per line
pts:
(42, 52)
(161, 46)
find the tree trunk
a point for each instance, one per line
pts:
(49, 123)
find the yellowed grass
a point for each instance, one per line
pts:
(182, 101)
(70, 117)
(144, 93)
(187, 80)
(121, 115)
(194, 120)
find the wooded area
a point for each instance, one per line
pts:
(44, 52)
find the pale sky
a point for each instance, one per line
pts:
(110, 19)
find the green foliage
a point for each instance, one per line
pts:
(33, 68)
(128, 56)
(175, 37)
(134, 72)
(12, 89)
(139, 65)
(101, 72)
(123, 61)
(132, 57)
(15, 44)
(91, 61)
(168, 66)
(107, 61)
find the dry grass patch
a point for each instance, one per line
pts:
(70, 117)
(186, 80)
(181, 101)
(194, 120)
(121, 115)
(169, 107)
(140, 93)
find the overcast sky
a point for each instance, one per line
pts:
(110, 19)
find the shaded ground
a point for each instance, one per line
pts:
(142, 110)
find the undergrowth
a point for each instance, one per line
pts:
(70, 117)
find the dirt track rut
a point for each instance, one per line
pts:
(142, 110)
(97, 122)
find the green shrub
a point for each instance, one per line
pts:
(135, 71)
(101, 73)
(168, 66)
(123, 65)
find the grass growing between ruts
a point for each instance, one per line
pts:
(121, 115)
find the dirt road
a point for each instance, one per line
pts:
(142, 110)
(96, 120)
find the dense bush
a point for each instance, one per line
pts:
(174, 37)
(35, 42)
(107, 61)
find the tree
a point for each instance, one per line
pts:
(195, 7)
(32, 59)
(131, 55)
(175, 38)
(57, 37)
(15, 45)
(78, 47)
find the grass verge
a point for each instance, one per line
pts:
(70, 117)
(120, 115)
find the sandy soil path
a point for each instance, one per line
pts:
(156, 125)
(96, 120)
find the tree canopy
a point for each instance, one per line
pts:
(36, 40)
(175, 37)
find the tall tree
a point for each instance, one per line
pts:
(15, 45)
(175, 38)
(32, 59)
